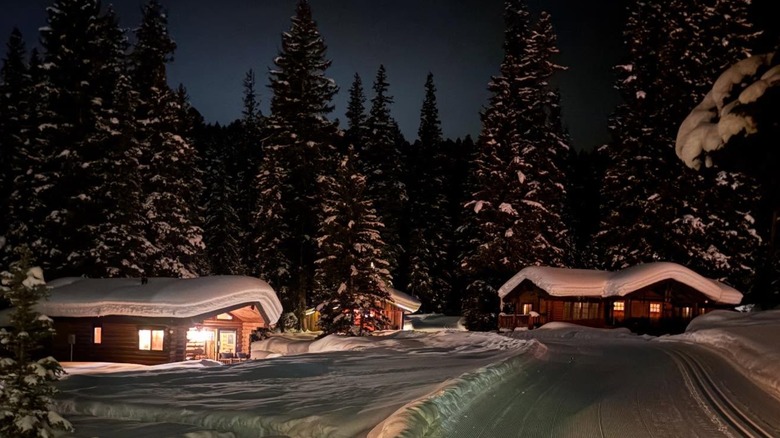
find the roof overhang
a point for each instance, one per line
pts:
(159, 297)
(404, 301)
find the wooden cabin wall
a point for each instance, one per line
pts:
(119, 343)
(556, 310)
(246, 331)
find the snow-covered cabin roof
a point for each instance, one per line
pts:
(404, 301)
(563, 282)
(159, 297)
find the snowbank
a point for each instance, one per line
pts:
(350, 386)
(748, 340)
(565, 330)
(291, 344)
(436, 322)
(78, 368)
(425, 415)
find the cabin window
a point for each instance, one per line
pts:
(151, 340)
(225, 316)
(619, 306)
(580, 310)
(97, 335)
(527, 307)
(687, 312)
(655, 308)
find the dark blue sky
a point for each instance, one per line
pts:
(459, 41)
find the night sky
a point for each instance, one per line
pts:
(458, 41)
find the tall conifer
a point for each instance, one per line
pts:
(429, 243)
(172, 185)
(516, 215)
(382, 163)
(298, 148)
(352, 275)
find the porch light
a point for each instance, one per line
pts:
(195, 334)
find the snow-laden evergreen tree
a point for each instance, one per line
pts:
(26, 381)
(248, 154)
(15, 109)
(222, 232)
(382, 163)
(26, 211)
(429, 211)
(516, 215)
(271, 233)
(84, 51)
(356, 112)
(649, 201)
(171, 181)
(298, 147)
(735, 127)
(352, 275)
(120, 246)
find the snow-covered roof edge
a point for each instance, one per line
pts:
(404, 301)
(559, 281)
(159, 297)
(636, 277)
(590, 283)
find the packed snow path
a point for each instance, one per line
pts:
(621, 388)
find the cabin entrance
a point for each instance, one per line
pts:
(226, 342)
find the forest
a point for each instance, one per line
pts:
(108, 171)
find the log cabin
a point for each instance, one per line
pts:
(656, 298)
(157, 320)
(395, 309)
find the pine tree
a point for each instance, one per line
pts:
(356, 112)
(26, 211)
(120, 246)
(172, 185)
(15, 108)
(382, 163)
(429, 211)
(84, 55)
(653, 208)
(246, 159)
(298, 148)
(352, 276)
(516, 216)
(272, 236)
(26, 383)
(222, 232)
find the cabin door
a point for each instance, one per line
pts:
(226, 341)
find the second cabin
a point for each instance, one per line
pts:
(654, 297)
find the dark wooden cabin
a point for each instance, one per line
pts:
(395, 310)
(655, 297)
(159, 320)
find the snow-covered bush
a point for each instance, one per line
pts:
(26, 384)
(289, 322)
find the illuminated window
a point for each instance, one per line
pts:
(619, 306)
(151, 339)
(225, 316)
(655, 307)
(97, 335)
(527, 308)
(687, 312)
(581, 310)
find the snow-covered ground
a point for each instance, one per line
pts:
(751, 341)
(559, 380)
(332, 387)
